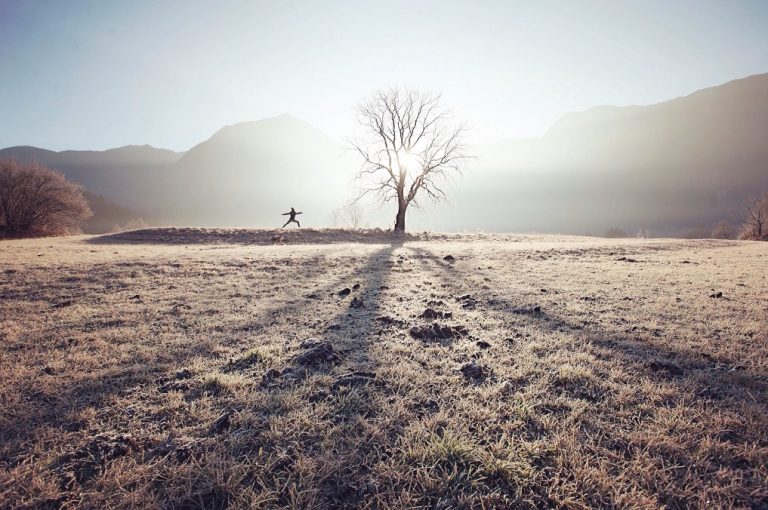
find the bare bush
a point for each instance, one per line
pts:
(615, 233)
(411, 146)
(723, 230)
(755, 219)
(35, 200)
(349, 216)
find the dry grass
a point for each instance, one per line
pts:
(594, 374)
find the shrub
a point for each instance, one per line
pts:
(615, 233)
(35, 200)
(755, 219)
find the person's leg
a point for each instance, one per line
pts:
(297, 223)
(286, 223)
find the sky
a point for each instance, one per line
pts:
(102, 74)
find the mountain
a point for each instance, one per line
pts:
(113, 178)
(669, 168)
(121, 174)
(247, 174)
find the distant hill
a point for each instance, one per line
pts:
(121, 174)
(670, 168)
(118, 180)
(109, 216)
(247, 174)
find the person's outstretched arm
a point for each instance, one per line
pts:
(285, 214)
(299, 213)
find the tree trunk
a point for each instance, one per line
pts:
(400, 218)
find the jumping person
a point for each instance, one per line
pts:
(292, 218)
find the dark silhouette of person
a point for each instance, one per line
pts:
(292, 218)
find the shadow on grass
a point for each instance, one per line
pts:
(721, 380)
(696, 388)
(54, 400)
(349, 399)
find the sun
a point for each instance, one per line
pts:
(408, 160)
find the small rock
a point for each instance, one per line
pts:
(716, 295)
(356, 286)
(449, 258)
(483, 344)
(345, 292)
(49, 370)
(356, 303)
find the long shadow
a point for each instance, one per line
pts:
(717, 383)
(716, 391)
(722, 381)
(344, 358)
(38, 408)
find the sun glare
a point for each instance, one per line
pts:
(408, 160)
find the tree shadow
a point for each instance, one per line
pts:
(57, 402)
(717, 383)
(720, 381)
(334, 371)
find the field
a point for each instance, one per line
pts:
(237, 369)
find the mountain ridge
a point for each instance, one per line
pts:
(677, 164)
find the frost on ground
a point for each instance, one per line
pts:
(209, 370)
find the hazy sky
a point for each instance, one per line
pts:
(100, 74)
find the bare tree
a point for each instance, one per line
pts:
(755, 219)
(354, 215)
(351, 216)
(37, 201)
(410, 147)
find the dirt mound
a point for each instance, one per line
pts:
(438, 331)
(317, 353)
(82, 464)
